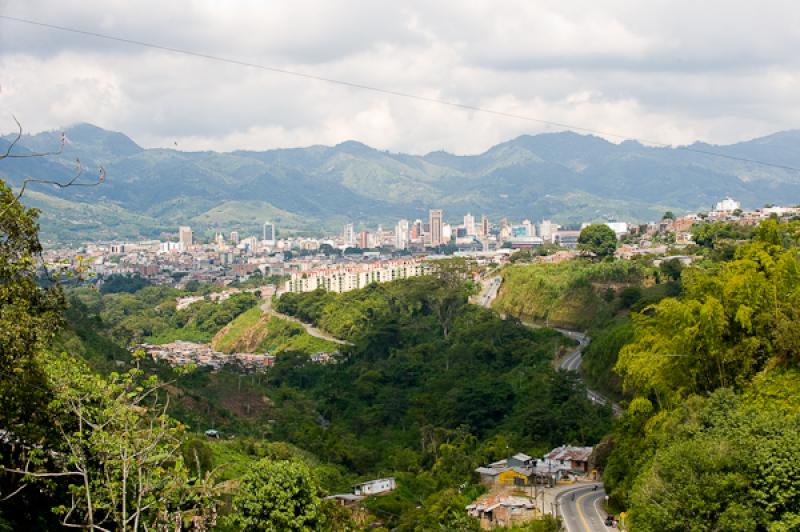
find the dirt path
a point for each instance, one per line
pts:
(266, 307)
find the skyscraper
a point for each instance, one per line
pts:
(469, 224)
(235, 237)
(402, 234)
(185, 237)
(435, 220)
(485, 225)
(269, 232)
(364, 240)
(349, 235)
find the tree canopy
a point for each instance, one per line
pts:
(598, 239)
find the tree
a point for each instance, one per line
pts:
(277, 496)
(599, 239)
(669, 215)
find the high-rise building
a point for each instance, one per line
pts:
(547, 229)
(235, 237)
(485, 228)
(469, 224)
(185, 237)
(402, 234)
(435, 219)
(417, 229)
(364, 240)
(349, 235)
(269, 232)
(530, 230)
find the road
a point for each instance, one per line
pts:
(571, 361)
(489, 291)
(266, 307)
(582, 509)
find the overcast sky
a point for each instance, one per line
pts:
(670, 70)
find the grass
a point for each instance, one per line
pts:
(254, 331)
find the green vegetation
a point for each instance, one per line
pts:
(276, 496)
(599, 240)
(123, 283)
(600, 357)
(573, 294)
(231, 191)
(150, 315)
(711, 436)
(77, 450)
(426, 404)
(256, 332)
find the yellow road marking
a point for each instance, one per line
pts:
(580, 512)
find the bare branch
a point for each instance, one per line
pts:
(9, 155)
(42, 475)
(16, 139)
(16, 491)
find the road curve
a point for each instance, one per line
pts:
(571, 361)
(266, 307)
(581, 509)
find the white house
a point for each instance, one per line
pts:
(373, 487)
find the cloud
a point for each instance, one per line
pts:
(673, 70)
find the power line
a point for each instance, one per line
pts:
(391, 92)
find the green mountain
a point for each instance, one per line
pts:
(563, 176)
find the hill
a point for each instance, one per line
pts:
(256, 332)
(564, 176)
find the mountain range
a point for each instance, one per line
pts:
(566, 177)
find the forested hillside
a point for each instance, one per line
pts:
(564, 176)
(710, 439)
(576, 294)
(430, 388)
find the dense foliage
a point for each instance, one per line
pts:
(710, 438)
(599, 240)
(150, 314)
(409, 400)
(572, 294)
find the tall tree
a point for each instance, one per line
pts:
(598, 239)
(277, 496)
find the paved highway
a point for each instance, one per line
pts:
(582, 509)
(489, 291)
(571, 361)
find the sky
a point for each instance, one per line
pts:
(674, 71)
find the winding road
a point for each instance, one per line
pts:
(569, 362)
(581, 509)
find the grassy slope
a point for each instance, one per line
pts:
(254, 331)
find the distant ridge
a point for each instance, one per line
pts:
(565, 176)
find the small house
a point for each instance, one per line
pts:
(374, 487)
(572, 459)
(498, 510)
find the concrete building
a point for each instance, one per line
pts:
(402, 234)
(235, 237)
(269, 233)
(374, 487)
(530, 230)
(185, 237)
(469, 224)
(485, 226)
(349, 236)
(353, 276)
(435, 218)
(727, 205)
